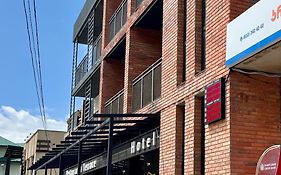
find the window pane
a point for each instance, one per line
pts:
(107, 109)
(147, 89)
(111, 30)
(115, 107)
(136, 98)
(157, 83)
(121, 101)
(94, 55)
(118, 21)
(98, 49)
(124, 13)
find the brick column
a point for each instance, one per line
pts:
(171, 76)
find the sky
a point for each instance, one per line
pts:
(19, 111)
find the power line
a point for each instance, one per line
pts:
(39, 62)
(34, 49)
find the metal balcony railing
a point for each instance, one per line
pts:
(118, 19)
(89, 61)
(147, 86)
(115, 104)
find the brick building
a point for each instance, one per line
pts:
(217, 102)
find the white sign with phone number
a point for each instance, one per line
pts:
(253, 31)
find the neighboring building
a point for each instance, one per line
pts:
(37, 145)
(207, 81)
(10, 157)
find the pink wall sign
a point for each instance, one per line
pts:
(269, 162)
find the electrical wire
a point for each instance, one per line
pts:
(39, 63)
(34, 48)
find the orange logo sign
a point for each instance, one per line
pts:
(276, 13)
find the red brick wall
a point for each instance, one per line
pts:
(112, 79)
(255, 119)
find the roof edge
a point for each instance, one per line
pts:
(84, 13)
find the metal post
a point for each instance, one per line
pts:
(8, 163)
(109, 148)
(79, 158)
(60, 165)
(21, 166)
(46, 170)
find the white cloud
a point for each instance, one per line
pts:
(16, 125)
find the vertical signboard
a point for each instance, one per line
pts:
(215, 101)
(269, 162)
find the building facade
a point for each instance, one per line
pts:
(37, 145)
(10, 157)
(209, 75)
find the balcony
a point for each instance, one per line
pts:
(118, 19)
(89, 62)
(115, 104)
(147, 87)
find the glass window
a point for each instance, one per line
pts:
(111, 30)
(147, 89)
(136, 96)
(124, 13)
(114, 107)
(107, 109)
(157, 82)
(121, 101)
(118, 21)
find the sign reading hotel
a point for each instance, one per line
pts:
(253, 31)
(269, 162)
(145, 143)
(139, 145)
(214, 101)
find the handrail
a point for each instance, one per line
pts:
(87, 63)
(117, 10)
(118, 94)
(110, 103)
(144, 95)
(147, 70)
(82, 61)
(113, 22)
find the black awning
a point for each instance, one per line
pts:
(14, 152)
(93, 137)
